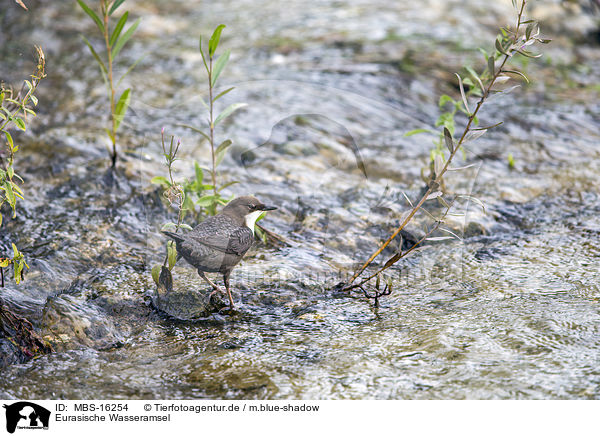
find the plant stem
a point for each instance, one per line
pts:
(212, 127)
(104, 5)
(436, 182)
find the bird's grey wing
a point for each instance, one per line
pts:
(222, 233)
(238, 241)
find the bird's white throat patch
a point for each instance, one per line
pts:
(251, 219)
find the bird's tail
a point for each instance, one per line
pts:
(174, 236)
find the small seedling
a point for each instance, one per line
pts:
(114, 41)
(214, 67)
(14, 111)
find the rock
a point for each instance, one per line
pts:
(474, 228)
(68, 321)
(236, 380)
(185, 300)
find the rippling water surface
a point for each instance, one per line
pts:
(510, 311)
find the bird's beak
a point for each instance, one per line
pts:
(265, 207)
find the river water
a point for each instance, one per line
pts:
(509, 311)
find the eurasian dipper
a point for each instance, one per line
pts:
(219, 242)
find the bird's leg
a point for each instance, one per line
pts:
(214, 286)
(226, 281)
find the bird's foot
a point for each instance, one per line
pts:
(216, 290)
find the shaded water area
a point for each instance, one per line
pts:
(510, 311)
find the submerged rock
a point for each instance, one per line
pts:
(183, 299)
(68, 321)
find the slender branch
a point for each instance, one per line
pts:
(401, 254)
(437, 181)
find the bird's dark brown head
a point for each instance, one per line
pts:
(246, 209)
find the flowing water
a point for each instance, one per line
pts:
(512, 310)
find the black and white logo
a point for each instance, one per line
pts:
(26, 415)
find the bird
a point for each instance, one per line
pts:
(220, 242)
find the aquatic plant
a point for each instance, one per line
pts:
(175, 196)
(113, 42)
(197, 188)
(14, 111)
(509, 42)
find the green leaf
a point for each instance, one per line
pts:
(228, 111)
(118, 29)
(438, 164)
(491, 66)
(9, 139)
(169, 226)
(529, 29)
(219, 65)
(121, 107)
(499, 47)
(92, 14)
(156, 273)
(476, 77)
(227, 185)
(130, 69)
(207, 200)
(445, 99)
(529, 54)
(474, 199)
(195, 129)
(188, 204)
(472, 135)
(448, 139)
(462, 93)
(110, 135)
(224, 145)
(199, 173)
(518, 73)
(160, 180)
(19, 123)
(123, 39)
(417, 131)
(10, 196)
(96, 56)
(171, 254)
(221, 149)
(213, 43)
(222, 93)
(488, 127)
(114, 7)
(202, 54)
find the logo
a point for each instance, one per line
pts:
(26, 415)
